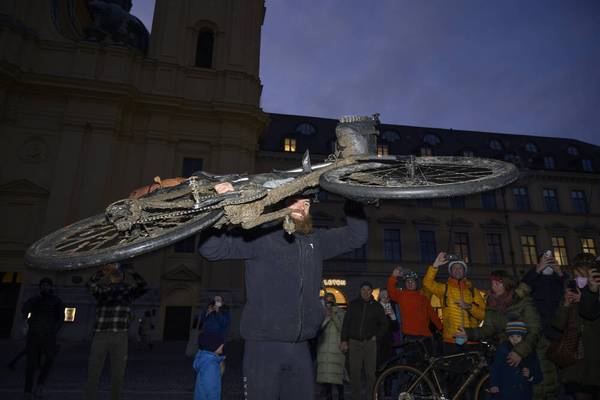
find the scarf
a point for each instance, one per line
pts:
(500, 302)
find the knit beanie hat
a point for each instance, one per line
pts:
(516, 328)
(210, 341)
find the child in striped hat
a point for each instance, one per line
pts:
(508, 382)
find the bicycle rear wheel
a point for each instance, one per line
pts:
(402, 382)
(407, 177)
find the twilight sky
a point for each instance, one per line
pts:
(515, 66)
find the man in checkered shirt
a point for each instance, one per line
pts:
(114, 297)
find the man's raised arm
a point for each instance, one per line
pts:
(336, 241)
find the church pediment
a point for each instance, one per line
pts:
(181, 273)
(23, 187)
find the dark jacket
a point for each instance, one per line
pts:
(512, 384)
(363, 320)
(216, 321)
(283, 276)
(589, 307)
(546, 292)
(494, 323)
(47, 314)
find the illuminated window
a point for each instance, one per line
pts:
(289, 145)
(549, 162)
(426, 152)
(560, 250)
(461, 246)
(551, 200)
(70, 314)
(529, 249)
(340, 299)
(383, 150)
(588, 245)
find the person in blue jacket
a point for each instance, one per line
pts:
(283, 275)
(207, 365)
(215, 318)
(514, 383)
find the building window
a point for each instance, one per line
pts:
(306, 129)
(70, 313)
(468, 153)
(391, 245)
(187, 245)
(457, 202)
(383, 150)
(521, 196)
(587, 165)
(588, 245)
(494, 243)
(427, 246)
(549, 162)
(204, 49)
(488, 200)
(560, 250)
(289, 145)
(426, 152)
(572, 150)
(190, 165)
(461, 245)
(360, 253)
(531, 148)
(529, 249)
(579, 201)
(551, 200)
(390, 136)
(495, 145)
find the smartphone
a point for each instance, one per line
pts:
(572, 285)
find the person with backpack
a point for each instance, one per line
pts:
(463, 305)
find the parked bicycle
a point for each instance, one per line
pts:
(428, 378)
(134, 226)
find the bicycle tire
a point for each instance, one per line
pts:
(406, 177)
(480, 389)
(379, 388)
(44, 255)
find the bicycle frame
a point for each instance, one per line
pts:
(431, 370)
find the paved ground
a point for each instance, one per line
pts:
(165, 373)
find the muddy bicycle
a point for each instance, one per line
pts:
(428, 379)
(137, 225)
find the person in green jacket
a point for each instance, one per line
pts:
(507, 302)
(581, 379)
(330, 359)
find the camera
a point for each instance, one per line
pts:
(453, 257)
(572, 285)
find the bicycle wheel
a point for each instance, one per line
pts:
(402, 382)
(408, 177)
(481, 390)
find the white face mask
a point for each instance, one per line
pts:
(547, 271)
(581, 281)
(218, 304)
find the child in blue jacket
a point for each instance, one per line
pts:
(207, 365)
(514, 383)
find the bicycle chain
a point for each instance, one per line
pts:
(254, 196)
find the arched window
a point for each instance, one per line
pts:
(573, 151)
(306, 128)
(531, 147)
(204, 49)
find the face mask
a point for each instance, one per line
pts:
(547, 271)
(581, 281)
(218, 304)
(459, 340)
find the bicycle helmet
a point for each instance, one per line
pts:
(408, 274)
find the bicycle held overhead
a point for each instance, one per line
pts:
(171, 210)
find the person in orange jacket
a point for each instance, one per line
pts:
(415, 307)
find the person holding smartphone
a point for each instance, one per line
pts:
(547, 282)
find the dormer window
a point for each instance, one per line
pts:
(587, 165)
(204, 49)
(495, 145)
(531, 148)
(549, 162)
(289, 145)
(431, 139)
(572, 151)
(306, 129)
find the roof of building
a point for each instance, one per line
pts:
(318, 135)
